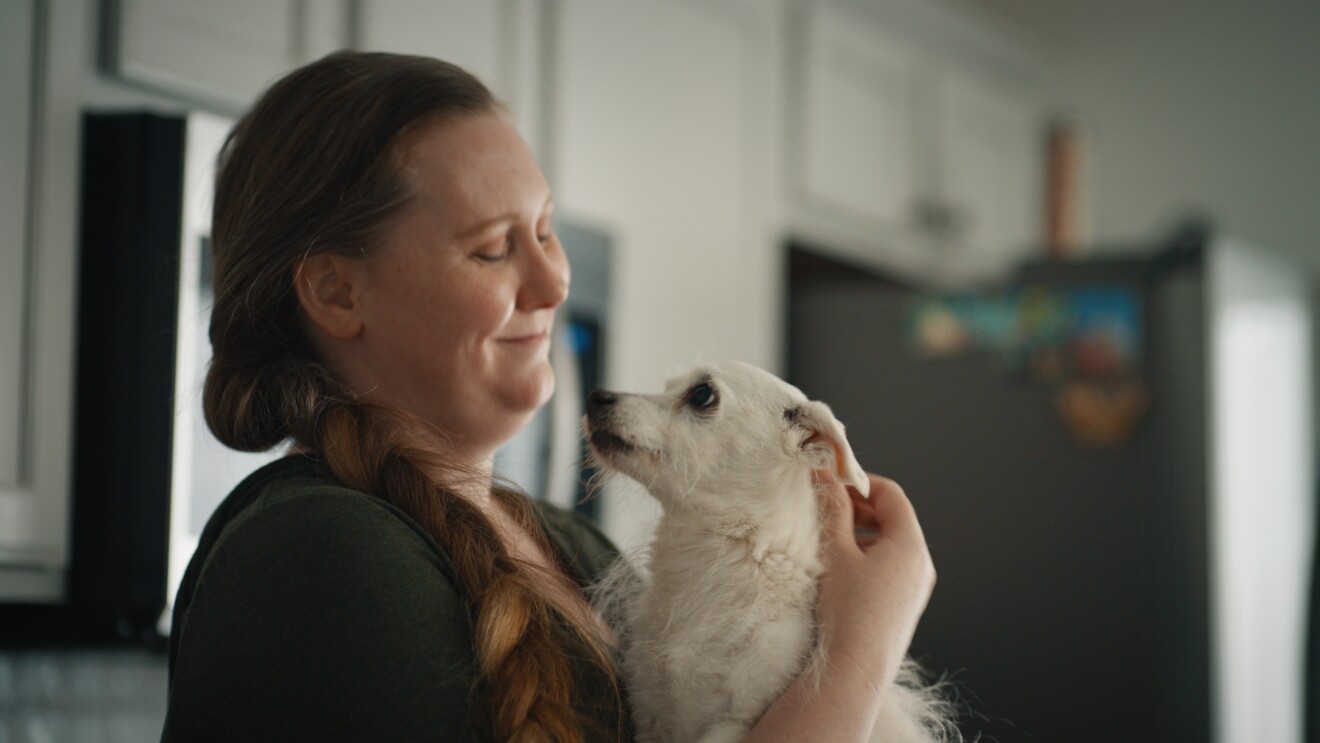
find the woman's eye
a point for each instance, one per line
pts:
(702, 397)
(493, 253)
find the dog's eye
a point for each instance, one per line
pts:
(702, 397)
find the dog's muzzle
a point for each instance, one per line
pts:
(600, 404)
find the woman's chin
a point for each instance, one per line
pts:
(491, 420)
(532, 393)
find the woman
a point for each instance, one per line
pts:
(386, 276)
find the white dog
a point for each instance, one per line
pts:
(725, 618)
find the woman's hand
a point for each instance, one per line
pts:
(878, 577)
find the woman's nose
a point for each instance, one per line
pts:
(545, 283)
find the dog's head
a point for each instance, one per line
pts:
(721, 428)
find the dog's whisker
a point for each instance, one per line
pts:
(594, 484)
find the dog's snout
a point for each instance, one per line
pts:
(599, 403)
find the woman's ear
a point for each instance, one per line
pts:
(329, 289)
(824, 443)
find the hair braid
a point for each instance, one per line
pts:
(520, 635)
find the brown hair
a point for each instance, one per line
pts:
(312, 168)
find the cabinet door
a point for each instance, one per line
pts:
(222, 53)
(859, 113)
(34, 316)
(465, 32)
(16, 49)
(990, 149)
(499, 41)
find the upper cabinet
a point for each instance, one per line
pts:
(221, 54)
(990, 149)
(31, 523)
(860, 104)
(908, 146)
(465, 32)
(16, 86)
(499, 41)
(38, 159)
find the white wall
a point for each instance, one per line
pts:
(1188, 103)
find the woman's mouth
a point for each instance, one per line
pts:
(532, 339)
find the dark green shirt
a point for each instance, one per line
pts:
(311, 611)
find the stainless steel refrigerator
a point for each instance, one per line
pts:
(1123, 533)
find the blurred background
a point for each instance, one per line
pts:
(1051, 261)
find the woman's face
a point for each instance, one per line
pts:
(460, 300)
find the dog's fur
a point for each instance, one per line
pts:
(724, 618)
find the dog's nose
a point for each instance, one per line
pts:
(599, 403)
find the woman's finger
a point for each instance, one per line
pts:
(888, 503)
(896, 519)
(862, 509)
(836, 508)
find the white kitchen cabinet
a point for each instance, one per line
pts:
(16, 87)
(860, 122)
(990, 147)
(38, 152)
(221, 54)
(465, 32)
(499, 41)
(911, 143)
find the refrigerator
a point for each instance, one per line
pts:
(1112, 460)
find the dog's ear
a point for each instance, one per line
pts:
(822, 440)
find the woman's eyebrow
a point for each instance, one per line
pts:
(505, 218)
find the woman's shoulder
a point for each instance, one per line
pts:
(311, 606)
(292, 530)
(294, 507)
(297, 482)
(290, 538)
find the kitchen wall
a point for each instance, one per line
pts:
(1189, 104)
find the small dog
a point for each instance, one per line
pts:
(725, 617)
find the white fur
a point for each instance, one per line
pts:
(724, 619)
